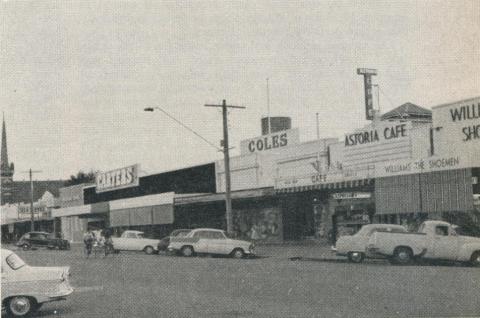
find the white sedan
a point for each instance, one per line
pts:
(355, 246)
(25, 288)
(135, 241)
(210, 241)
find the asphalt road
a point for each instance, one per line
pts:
(138, 285)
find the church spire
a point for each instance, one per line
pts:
(4, 154)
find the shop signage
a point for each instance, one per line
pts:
(431, 164)
(117, 179)
(351, 195)
(457, 127)
(270, 142)
(374, 135)
(367, 80)
(476, 199)
(330, 176)
(382, 141)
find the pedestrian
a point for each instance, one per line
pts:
(108, 244)
(88, 239)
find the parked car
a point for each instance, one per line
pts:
(210, 241)
(355, 246)
(135, 241)
(42, 239)
(164, 242)
(435, 240)
(25, 288)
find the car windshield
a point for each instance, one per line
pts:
(181, 233)
(14, 261)
(140, 235)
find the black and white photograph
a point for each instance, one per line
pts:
(240, 159)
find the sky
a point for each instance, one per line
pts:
(76, 75)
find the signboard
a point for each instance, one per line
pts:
(430, 164)
(457, 127)
(351, 195)
(268, 142)
(324, 178)
(117, 179)
(384, 141)
(367, 80)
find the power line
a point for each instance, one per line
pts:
(184, 126)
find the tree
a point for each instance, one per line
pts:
(81, 177)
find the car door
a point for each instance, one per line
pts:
(36, 239)
(445, 243)
(130, 242)
(217, 243)
(201, 246)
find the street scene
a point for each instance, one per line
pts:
(240, 159)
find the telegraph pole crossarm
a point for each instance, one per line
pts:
(228, 198)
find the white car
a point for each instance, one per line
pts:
(25, 288)
(135, 241)
(435, 240)
(355, 246)
(210, 241)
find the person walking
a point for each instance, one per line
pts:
(88, 239)
(108, 244)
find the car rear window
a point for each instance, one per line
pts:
(14, 261)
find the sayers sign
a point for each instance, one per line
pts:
(117, 179)
(271, 141)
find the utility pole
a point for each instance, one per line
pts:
(226, 157)
(268, 109)
(32, 216)
(318, 128)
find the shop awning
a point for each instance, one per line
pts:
(144, 210)
(325, 186)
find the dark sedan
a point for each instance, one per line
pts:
(164, 242)
(42, 239)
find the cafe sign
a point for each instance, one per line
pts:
(117, 179)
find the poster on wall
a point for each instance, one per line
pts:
(259, 224)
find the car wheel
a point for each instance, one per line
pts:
(20, 306)
(356, 257)
(475, 259)
(25, 247)
(187, 251)
(402, 255)
(148, 250)
(238, 253)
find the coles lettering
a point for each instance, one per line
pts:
(269, 142)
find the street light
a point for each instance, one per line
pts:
(151, 109)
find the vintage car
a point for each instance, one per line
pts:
(355, 246)
(210, 241)
(25, 288)
(435, 240)
(164, 242)
(42, 239)
(135, 241)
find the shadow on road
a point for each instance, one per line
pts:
(380, 262)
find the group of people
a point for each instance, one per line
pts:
(103, 241)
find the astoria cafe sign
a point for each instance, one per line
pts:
(117, 179)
